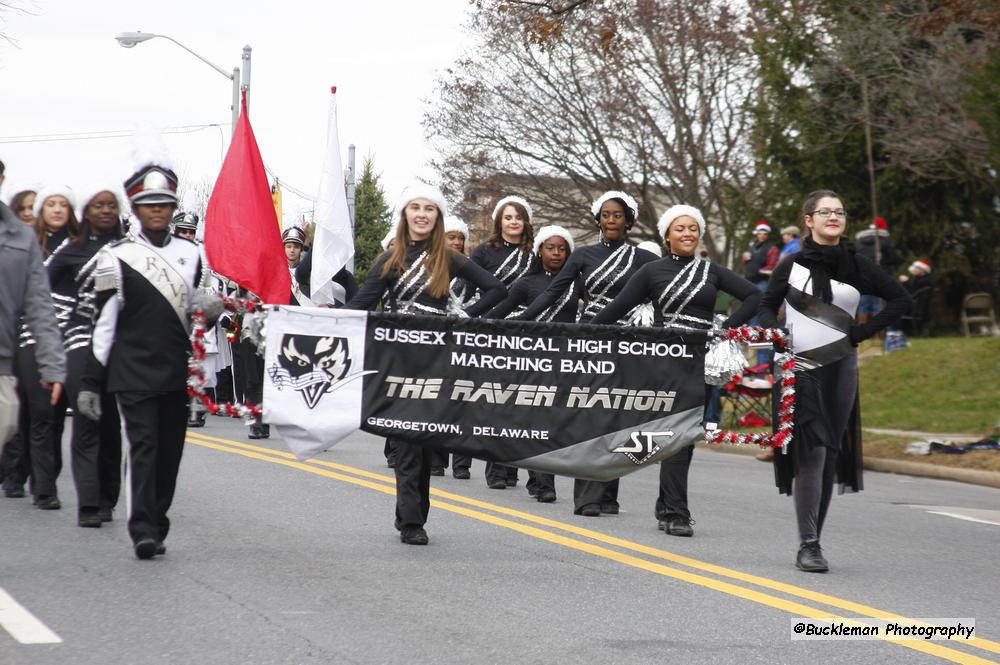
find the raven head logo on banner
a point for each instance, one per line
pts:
(311, 365)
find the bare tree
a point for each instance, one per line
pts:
(658, 111)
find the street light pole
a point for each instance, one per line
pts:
(130, 39)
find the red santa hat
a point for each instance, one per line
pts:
(921, 265)
(762, 225)
(879, 223)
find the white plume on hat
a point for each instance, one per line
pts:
(550, 231)
(420, 190)
(453, 223)
(505, 201)
(148, 147)
(53, 190)
(651, 247)
(91, 190)
(681, 210)
(595, 207)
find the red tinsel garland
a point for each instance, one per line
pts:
(786, 408)
(196, 373)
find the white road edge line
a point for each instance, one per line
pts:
(22, 624)
(963, 517)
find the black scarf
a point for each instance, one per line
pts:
(824, 262)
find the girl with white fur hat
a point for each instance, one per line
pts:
(96, 446)
(416, 275)
(508, 254)
(552, 247)
(602, 271)
(682, 287)
(55, 221)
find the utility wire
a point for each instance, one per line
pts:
(94, 135)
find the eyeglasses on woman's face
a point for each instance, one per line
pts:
(826, 213)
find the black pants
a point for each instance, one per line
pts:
(502, 472)
(253, 372)
(586, 492)
(34, 451)
(413, 483)
(540, 482)
(96, 448)
(155, 423)
(673, 498)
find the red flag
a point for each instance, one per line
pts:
(242, 237)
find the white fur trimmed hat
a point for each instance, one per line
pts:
(89, 192)
(547, 232)
(673, 212)
(420, 190)
(921, 265)
(595, 207)
(651, 247)
(453, 223)
(762, 226)
(45, 192)
(389, 235)
(498, 208)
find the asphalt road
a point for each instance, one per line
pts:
(274, 561)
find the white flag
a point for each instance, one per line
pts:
(333, 243)
(313, 367)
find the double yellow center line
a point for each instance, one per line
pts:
(555, 532)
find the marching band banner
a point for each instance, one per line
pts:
(583, 401)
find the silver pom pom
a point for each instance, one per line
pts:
(723, 361)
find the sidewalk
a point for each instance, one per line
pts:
(922, 469)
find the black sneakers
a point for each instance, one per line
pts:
(810, 558)
(497, 484)
(679, 526)
(145, 548)
(546, 496)
(461, 474)
(89, 519)
(609, 508)
(414, 536)
(591, 510)
(48, 502)
(437, 470)
(105, 514)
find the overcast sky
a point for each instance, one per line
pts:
(67, 74)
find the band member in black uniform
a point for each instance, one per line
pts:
(509, 255)
(96, 447)
(294, 240)
(145, 286)
(553, 245)
(416, 275)
(603, 270)
(820, 288)
(456, 233)
(682, 287)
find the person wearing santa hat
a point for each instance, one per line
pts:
(552, 247)
(602, 270)
(96, 446)
(145, 293)
(919, 277)
(508, 255)
(682, 287)
(422, 255)
(875, 243)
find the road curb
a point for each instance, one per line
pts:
(924, 470)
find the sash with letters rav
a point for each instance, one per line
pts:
(584, 401)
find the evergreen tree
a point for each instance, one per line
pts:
(371, 219)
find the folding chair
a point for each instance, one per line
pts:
(746, 402)
(977, 310)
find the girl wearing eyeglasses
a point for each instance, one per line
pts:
(603, 270)
(820, 288)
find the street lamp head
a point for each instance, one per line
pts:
(130, 39)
